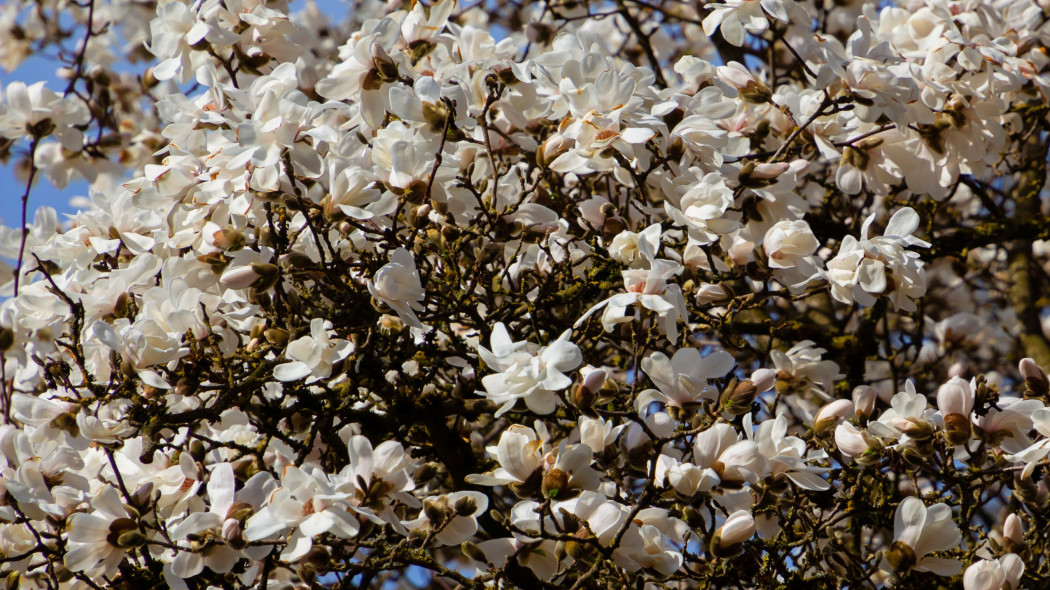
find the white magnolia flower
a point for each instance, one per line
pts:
(684, 380)
(527, 372)
(994, 574)
(867, 268)
(917, 531)
(737, 529)
(648, 289)
(313, 356)
(99, 540)
(397, 285)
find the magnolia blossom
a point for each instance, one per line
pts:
(650, 290)
(866, 268)
(526, 372)
(994, 574)
(313, 356)
(683, 381)
(918, 530)
(397, 285)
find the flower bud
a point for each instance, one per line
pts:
(957, 429)
(231, 531)
(436, 509)
(864, 398)
(229, 239)
(955, 397)
(473, 551)
(239, 511)
(737, 400)
(1034, 379)
(1013, 534)
(900, 556)
(729, 539)
(586, 392)
(465, 506)
(849, 440)
(555, 483)
(830, 415)
(426, 472)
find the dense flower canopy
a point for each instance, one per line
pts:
(625, 293)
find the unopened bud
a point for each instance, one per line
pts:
(729, 539)
(1013, 534)
(957, 429)
(436, 509)
(900, 556)
(465, 506)
(229, 239)
(277, 337)
(1034, 378)
(555, 483)
(586, 392)
(738, 399)
(864, 398)
(830, 415)
(473, 551)
(133, 538)
(426, 472)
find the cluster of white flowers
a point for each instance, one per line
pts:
(256, 356)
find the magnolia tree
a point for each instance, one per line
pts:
(632, 293)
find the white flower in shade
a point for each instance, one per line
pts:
(397, 285)
(99, 540)
(908, 417)
(527, 372)
(1040, 449)
(313, 355)
(684, 380)
(917, 531)
(994, 574)
(801, 368)
(648, 289)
